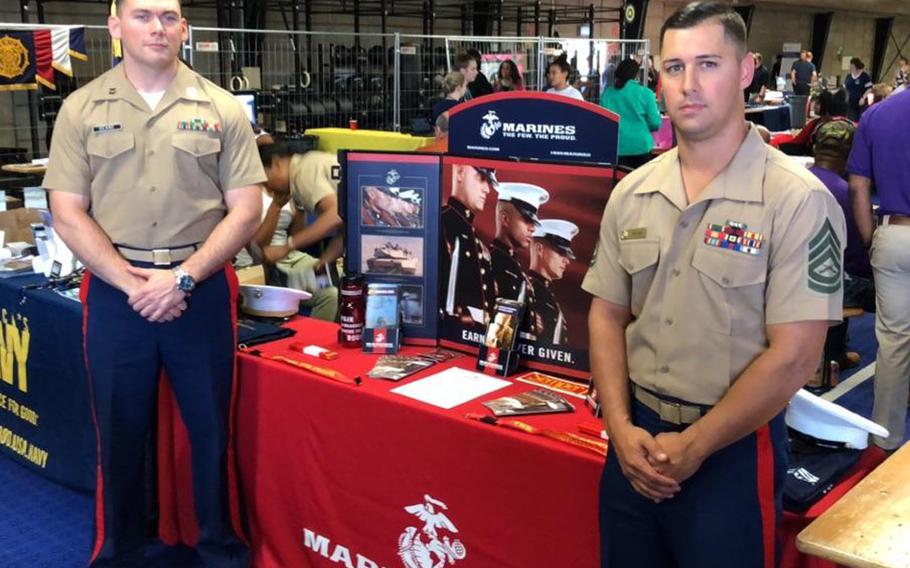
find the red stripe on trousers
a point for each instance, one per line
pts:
(99, 477)
(765, 466)
(232, 477)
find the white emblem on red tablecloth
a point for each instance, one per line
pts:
(426, 547)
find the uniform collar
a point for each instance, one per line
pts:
(185, 85)
(742, 180)
(498, 244)
(534, 275)
(461, 209)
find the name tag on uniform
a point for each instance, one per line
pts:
(198, 125)
(633, 234)
(106, 128)
(734, 236)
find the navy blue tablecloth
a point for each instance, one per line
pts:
(45, 413)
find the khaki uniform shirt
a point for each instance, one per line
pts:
(154, 179)
(311, 178)
(761, 245)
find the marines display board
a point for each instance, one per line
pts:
(520, 231)
(391, 208)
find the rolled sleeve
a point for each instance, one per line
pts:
(239, 164)
(805, 275)
(68, 166)
(312, 179)
(860, 160)
(605, 278)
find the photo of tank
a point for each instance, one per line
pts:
(394, 255)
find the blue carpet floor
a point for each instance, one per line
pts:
(47, 526)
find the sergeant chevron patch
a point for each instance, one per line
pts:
(825, 261)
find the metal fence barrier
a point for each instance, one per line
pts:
(316, 79)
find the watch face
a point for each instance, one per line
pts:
(186, 283)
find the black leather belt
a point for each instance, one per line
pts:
(158, 257)
(671, 412)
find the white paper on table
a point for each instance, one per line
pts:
(447, 389)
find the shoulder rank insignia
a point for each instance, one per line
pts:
(825, 262)
(199, 125)
(735, 237)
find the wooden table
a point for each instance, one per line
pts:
(25, 169)
(870, 526)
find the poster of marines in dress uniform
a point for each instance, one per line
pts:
(523, 231)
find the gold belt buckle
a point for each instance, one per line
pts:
(670, 411)
(161, 257)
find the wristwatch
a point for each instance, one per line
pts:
(185, 282)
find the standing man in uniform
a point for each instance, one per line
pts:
(551, 253)
(879, 156)
(155, 187)
(717, 273)
(466, 274)
(516, 220)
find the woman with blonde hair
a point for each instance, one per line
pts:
(454, 85)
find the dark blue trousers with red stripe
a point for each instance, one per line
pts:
(724, 516)
(125, 355)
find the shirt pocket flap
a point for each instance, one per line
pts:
(196, 145)
(110, 145)
(730, 270)
(635, 256)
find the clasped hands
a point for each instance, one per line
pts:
(154, 294)
(656, 466)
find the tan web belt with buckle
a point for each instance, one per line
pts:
(158, 257)
(671, 412)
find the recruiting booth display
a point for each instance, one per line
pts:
(544, 269)
(391, 206)
(512, 213)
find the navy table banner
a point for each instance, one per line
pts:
(45, 417)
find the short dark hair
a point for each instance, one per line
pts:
(904, 59)
(695, 13)
(562, 64)
(268, 152)
(475, 54)
(462, 60)
(858, 63)
(832, 103)
(626, 71)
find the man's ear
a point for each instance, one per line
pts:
(746, 70)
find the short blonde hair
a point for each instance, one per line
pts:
(452, 81)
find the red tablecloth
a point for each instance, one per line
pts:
(327, 471)
(337, 475)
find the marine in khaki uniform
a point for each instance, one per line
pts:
(516, 219)
(154, 180)
(551, 254)
(466, 275)
(308, 181)
(718, 270)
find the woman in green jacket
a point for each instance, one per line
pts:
(638, 114)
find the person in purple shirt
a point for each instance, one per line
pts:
(881, 156)
(832, 146)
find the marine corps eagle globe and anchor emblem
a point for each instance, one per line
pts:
(491, 124)
(426, 547)
(13, 57)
